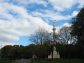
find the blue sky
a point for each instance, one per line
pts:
(21, 18)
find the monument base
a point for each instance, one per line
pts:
(55, 54)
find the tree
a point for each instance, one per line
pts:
(65, 37)
(7, 52)
(78, 27)
(41, 36)
(78, 31)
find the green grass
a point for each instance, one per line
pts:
(5, 61)
(48, 61)
(59, 61)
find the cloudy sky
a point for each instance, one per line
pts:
(20, 18)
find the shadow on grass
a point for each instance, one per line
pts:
(6, 61)
(47, 61)
(58, 61)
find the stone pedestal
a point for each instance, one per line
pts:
(55, 54)
(34, 56)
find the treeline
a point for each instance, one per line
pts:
(70, 51)
(18, 52)
(40, 51)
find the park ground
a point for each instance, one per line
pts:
(46, 61)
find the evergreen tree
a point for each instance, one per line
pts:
(78, 31)
(78, 27)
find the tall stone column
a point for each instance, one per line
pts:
(54, 53)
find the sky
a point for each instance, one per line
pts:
(21, 18)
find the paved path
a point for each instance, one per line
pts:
(22, 61)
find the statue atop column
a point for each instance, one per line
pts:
(54, 53)
(54, 31)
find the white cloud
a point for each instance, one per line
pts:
(26, 2)
(53, 15)
(81, 2)
(65, 24)
(75, 13)
(60, 5)
(2, 44)
(59, 17)
(57, 4)
(1, 1)
(12, 27)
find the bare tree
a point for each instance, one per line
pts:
(41, 36)
(65, 36)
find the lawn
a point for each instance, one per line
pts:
(5, 61)
(48, 61)
(59, 61)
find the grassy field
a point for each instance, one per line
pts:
(48, 61)
(59, 61)
(5, 61)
